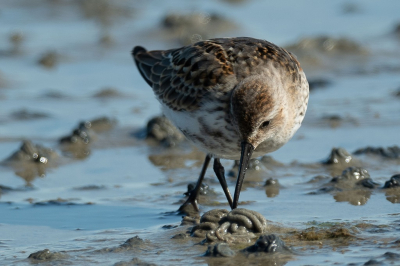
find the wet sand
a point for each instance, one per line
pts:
(89, 177)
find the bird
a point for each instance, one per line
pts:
(233, 98)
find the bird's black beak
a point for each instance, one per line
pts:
(247, 151)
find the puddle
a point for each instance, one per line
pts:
(105, 194)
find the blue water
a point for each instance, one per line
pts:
(134, 192)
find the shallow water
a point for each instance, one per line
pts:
(121, 185)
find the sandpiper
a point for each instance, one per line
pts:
(234, 98)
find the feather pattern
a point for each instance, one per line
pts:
(182, 77)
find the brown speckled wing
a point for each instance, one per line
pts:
(182, 77)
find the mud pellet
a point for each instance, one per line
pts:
(214, 216)
(222, 230)
(210, 236)
(240, 219)
(233, 228)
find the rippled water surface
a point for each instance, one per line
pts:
(66, 62)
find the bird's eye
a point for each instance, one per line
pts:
(265, 124)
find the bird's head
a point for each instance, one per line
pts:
(258, 111)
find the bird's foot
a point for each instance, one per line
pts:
(192, 199)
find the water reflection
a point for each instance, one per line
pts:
(168, 159)
(272, 188)
(77, 144)
(355, 197)
(354, 186)
(31, 160)
(393, 195)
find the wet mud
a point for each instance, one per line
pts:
(77, 144)
(49, 60)
(318, 83)
(160, 130)
(394, 182)
(34, 160)
(133, 243)
(27, 115)
(385, 152)
(31, 161)
(319, 52)
(268, 244)
(46, 255)
(328, 45)
(107, 93)
(188, 28)
(91, 176)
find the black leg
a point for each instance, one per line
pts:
(220, 173)
(192, 199)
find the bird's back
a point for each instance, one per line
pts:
(181, 77)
